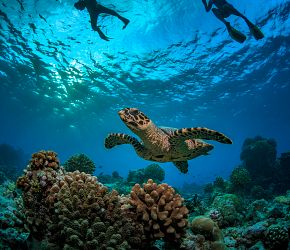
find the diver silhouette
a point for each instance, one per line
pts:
(224, 10)
(94, 10)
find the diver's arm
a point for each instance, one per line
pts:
(207, 6)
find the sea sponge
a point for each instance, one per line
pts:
(160, 210)
(87, 216)
(80, 162)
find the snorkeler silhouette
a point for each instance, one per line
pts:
(94, 10)
(224, 10)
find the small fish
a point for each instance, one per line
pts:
(100, 166)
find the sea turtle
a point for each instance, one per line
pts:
(163, 144)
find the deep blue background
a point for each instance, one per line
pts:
(61, 86)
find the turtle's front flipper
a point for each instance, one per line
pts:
(115, 139)
(197, 133)
(182, 166)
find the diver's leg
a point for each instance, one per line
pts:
(235, 34)
(219, 14)
(94, 20)
(102, 9)
(233, 11)
(256, 32)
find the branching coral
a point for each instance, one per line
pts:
(160, 210)
(81, 163)
(89, 217)
(74, 210)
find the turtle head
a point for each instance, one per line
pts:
(134, 119)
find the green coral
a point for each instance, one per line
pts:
(153, 171)
(80, 162)
(276, 237)
(240, 179)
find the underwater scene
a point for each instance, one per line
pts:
(144, 125)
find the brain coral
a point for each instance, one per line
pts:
(160, 210)
(87, 216)
(210, 230)
(81, 163)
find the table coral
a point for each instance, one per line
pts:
(160, 210)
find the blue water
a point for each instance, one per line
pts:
(61, 85)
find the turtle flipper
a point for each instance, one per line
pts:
(182, 166)
(115, 139)
(197, 133)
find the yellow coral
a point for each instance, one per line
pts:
(159, 209)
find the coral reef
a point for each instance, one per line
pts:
(240, 179)
(80, 162)
(258, 156)
(41, 174)
(228, 206)
(195, 205)
(160, 210)
(153, 171)
(207, 228)
(276, 237)
(12, 233)
(72, 210)
(87, 216)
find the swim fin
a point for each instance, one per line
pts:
(256, 32)
(236, 35)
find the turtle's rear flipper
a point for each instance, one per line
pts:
(236, 35)
(256, 32)
(182, 166)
